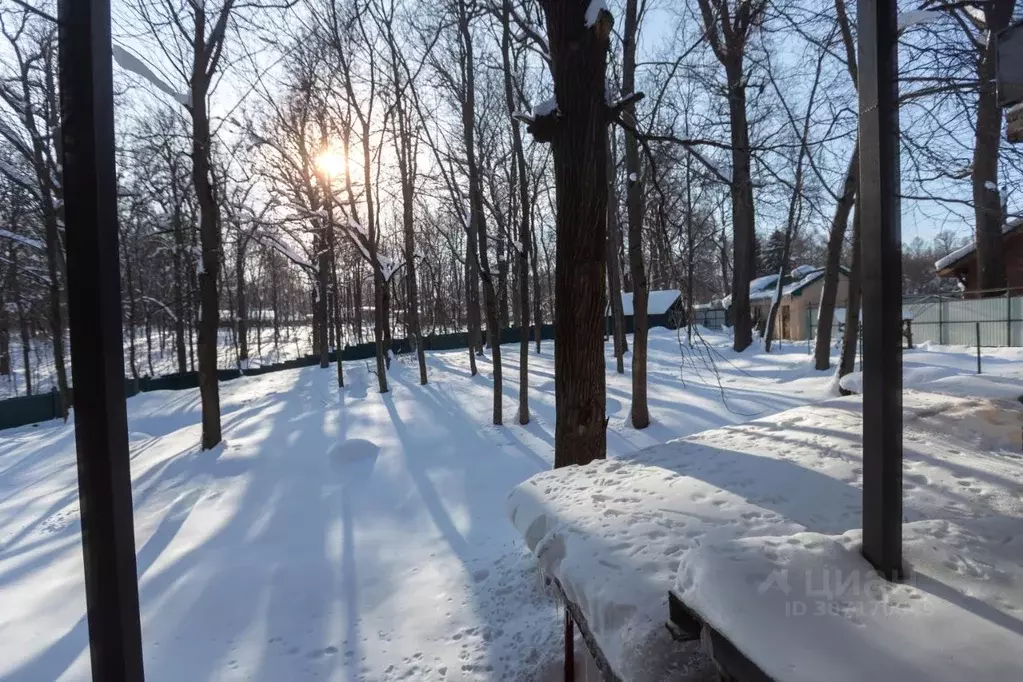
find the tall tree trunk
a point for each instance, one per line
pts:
(179, 291)
(852, 311)
(744, 229)
(242, 312)
(614, 273)
(275, 304)
(379, 295)
(131, 321)
(357, 292)
(5, 343)
(500, 246)
(412, 286)
(690, 249)
(836, 239)
(577, 131)
(5, 320)
(26, 343)
(338, 351)
(477, 220)
(987, 205)
(472, 300)
(209, 236)
(55, 316)
(537, 287)
(634, 203)
(322, 273)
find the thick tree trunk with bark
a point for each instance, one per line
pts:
(836, 238)
(987, 205)
(577, 131)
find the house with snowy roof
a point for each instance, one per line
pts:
(801, 294)
(665, 308)
(962, 263)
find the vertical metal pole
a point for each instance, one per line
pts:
(569, 647)
(882, 286)
(1008, 318)
(97, 360)
(941, 320)
(978, 346)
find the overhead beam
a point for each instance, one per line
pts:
(882, 285)
(97, 353)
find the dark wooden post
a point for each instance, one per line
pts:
(978, 346)
(882, 286)
(97, 360)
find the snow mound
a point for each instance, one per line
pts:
(947, 381)
(613, 533)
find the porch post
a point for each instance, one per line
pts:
(97, 361)
(882, 285)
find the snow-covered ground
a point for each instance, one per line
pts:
(352, 537)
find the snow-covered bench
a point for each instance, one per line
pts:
(785, 491)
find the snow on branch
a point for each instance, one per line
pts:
(162, 305)
(27, 241)
(130, 62)
(14, 138)
(593, 11)
(917, 16)
(543, 120)
(17, 176)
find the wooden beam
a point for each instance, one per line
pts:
(97, 352)
(878, 202)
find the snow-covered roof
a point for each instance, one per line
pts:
(964, 251)
(801, 271)
(764, 287)
(805, 275)
(657, 304)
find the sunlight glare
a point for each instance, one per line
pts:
(331, 163)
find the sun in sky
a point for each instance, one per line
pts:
(331, 162)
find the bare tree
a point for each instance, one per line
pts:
(728, 30)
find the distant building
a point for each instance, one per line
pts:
(800, 300)
(665, 308)
(962, 263)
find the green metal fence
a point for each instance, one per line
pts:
(45, 406)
